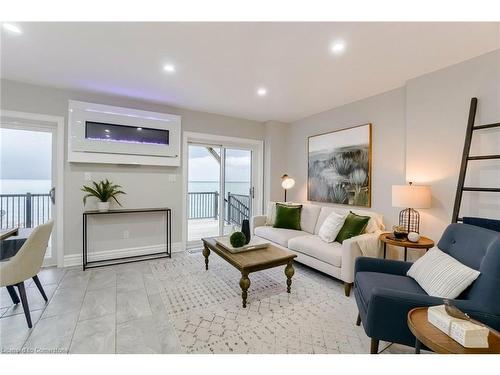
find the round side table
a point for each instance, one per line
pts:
(423, 243)
(438, 341)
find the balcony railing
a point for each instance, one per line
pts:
(237, 208)
(24, 210)
(205, 205)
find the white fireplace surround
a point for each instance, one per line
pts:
(86, 149)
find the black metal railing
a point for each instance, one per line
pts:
(24, 210)
(205, 205)
(237, 208)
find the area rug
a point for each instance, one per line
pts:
(205, 309)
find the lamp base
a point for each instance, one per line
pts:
(410, 219)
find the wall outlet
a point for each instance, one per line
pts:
(126, 234)
(87, 176)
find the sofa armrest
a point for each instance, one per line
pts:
(351, 250)
(257, 221)
(393, 267)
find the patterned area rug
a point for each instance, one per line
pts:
(205, 308)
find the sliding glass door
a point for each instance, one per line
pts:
(204, 172)
(237, 188)
(220, 190)
(27, 178)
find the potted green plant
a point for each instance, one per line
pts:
(104, 191)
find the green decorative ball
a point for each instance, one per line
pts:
(237, 239)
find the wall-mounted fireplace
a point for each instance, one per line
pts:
(105, 134)
(101, 131)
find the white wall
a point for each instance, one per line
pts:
(387, 115)
(418, 135)
(275, 146)
(437, 106)
(146, 186)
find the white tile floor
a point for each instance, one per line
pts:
(175, 306)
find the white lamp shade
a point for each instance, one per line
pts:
(287, 183)
(411, 196)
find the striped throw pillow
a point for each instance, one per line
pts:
(441, 275)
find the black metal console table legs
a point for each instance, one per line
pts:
(129, 259)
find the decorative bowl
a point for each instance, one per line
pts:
(400, 232)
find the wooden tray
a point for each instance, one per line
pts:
(254, 244)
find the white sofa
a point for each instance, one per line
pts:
(334, 259)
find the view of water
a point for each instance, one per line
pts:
(11, 186)
(234, 187)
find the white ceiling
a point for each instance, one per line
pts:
(219, 66)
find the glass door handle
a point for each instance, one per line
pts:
(252, 192)
(52, 195)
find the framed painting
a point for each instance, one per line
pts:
(339, 166)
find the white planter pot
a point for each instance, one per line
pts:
(103, 206)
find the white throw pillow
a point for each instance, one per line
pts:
(271, 213)
(331, 227)
(441, 275)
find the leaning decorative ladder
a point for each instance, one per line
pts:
(466, 157)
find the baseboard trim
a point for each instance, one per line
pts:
(72, 260)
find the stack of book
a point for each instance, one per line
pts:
(466, 333)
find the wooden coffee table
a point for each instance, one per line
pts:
(438, 341)
(252, 261)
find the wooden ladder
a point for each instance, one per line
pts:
(466, 157)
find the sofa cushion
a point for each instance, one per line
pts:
(278, 235)
(331, 227)
(308, 215)
(354, 225)
(374, 224)
(315, 247)
(441, 275)
(287, 217)
(366, 282)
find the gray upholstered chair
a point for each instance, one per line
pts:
(25, 265)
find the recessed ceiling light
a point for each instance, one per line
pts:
(106, 130)
(338, 47)
(262, 91)
(139, 129)
(169, 68)
(11, 28)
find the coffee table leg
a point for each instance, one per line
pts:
(418, 345)
(206, 253)
(289, 271)
(244, 284)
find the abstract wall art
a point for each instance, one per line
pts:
(339, 166)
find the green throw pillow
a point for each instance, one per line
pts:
(354, 225)
(287, 217)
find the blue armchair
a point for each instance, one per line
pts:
(385, 295)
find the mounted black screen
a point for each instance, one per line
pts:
(101, 131)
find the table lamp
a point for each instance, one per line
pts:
(287, 183)
(410, 196)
